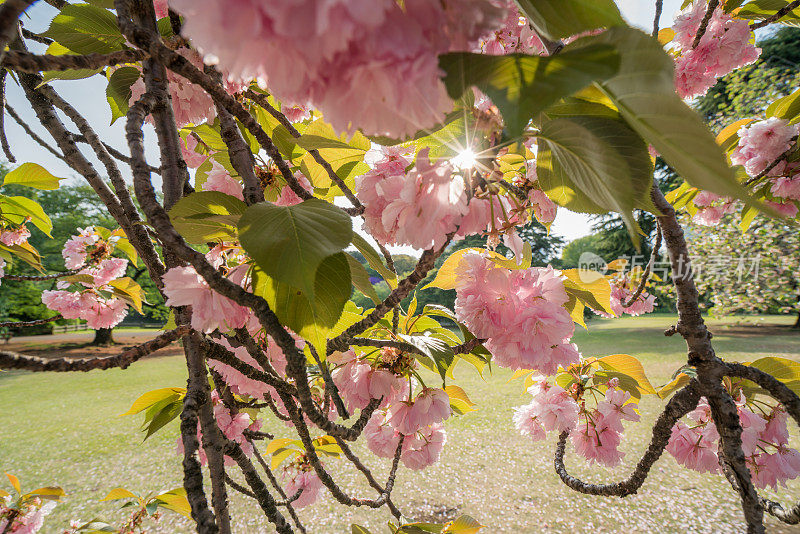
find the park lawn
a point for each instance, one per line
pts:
(65, 429)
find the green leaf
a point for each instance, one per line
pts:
(345, 156)
(86, 29)
(644, 93)
(119, 493)
(25, 252)
(127, 289)
(288, 243)
(438, 354)
(32, 175)
(629, 366)
(17, 209)
(374, 260)
(207, 216)
(590, 287)
(459, 400)
(361, 279)
(522, 86)
(152, 397)
(595, 164)
(118, 91)
(356, 529)
(463, 525)
(14, 482)
(310, 317)
(161, 414)
(562, 18)
(786, 108)
(52, 493)
(176, 501)
(761, 9)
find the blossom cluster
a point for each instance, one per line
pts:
(595, 433)
(760, 147)
(89, 253)
(364, 63)
(421, 207)
(765, 443)
(16, 236)
(520, 313)
(417, 418)
(621, 293)
(27, 520)
(190, 103)
(726, 45)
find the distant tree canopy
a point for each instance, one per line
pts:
(744, 93)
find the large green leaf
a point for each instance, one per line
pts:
(86, 29)
(118, 91)
(32, 175)
(595, 164)
(207, 216)
(288, 243)
(18, 209)
(562, 18)
(522, 86)
(644, 93)
(312, 317)
(346, 157)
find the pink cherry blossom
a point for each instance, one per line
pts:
(366, 64)
(219, 179)
(712, 208)
(785, 209)
(74, 251)
(423, 207)
(382, 438)
(786, 187)
(189, 152)
(430, 406)
(302, 477)
(596, 441)
(692, 448)
(161, 8)
(423, 448)
(527, 422)
(190, 103)
(98, 312)
(106, 271)
(725, 46)
(296, 113)
(210, 310)
(359, 381)
(288, 197)
(543, 208)
(520, 312)
(616, 404)
(18, 236)
(761, 143)
(2, 269)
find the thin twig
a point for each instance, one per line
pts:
(23, 324)
(701, 30)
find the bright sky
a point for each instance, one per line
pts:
(89, 98)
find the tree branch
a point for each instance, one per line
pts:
(33, 63)
(12, 360)
(788, 8)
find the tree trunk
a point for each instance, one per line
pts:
(103, 336)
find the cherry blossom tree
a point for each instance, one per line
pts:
(289, 132)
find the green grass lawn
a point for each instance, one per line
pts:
(64, 429)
